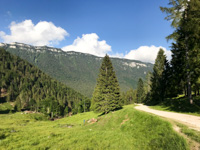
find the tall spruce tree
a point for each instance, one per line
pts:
(186, 50)
(140, 91)
(174, 14)
(106, 96)
(157, 90)
(185, 16)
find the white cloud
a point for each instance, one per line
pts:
(2, 34)
(43, 33)
(146, 53)
(46, 33)
(89, 43)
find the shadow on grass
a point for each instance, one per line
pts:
(109, 112)
(7, 111)
(2, 99)
(182, 104)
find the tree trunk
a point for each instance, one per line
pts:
(189, 92)
(189, 89)
(185, 90)
(51, 114)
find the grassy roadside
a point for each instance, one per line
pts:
(180, 105)
(167, 108)
(191, 133)
(123, 129)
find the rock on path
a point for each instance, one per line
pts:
(189, 120)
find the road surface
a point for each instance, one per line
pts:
(189, 120)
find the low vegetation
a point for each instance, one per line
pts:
(180, 104)
(191, 133)
(122, 129)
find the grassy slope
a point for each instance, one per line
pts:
(193, 134)
(181, 105)
(139, 131)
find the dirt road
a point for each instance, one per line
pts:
(189, 120)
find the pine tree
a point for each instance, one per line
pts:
(106, 96)
(157, 78)
(186, 51)
(174, 14)
(129, 97)
(140, 91)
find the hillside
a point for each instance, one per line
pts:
(28, 88)
(78, 70)
(124, 129)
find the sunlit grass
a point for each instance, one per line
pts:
(193, 134)
(123, 129)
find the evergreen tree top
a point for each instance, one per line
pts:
(106, 96)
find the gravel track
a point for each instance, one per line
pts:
(189, 120)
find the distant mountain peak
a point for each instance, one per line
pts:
(28, 47)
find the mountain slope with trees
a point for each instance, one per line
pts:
(31, 89)
(78, 70)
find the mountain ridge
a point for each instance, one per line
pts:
(54, 49)
(78, 70)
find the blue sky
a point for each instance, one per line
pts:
(122, 28)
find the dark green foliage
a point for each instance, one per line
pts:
(186, 52)
(174, 14)
(106, 96)
(168, 82)
(66, 111)
(129, 97)
(158, 82)
(140, 91)
(31, 89)
(182, 74)
(77, 70)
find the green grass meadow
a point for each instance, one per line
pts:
(125, 129)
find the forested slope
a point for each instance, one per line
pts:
(29, 88)
(78, 70)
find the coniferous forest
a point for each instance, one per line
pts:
(38, 110)
(179, 78)
(30, 89)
